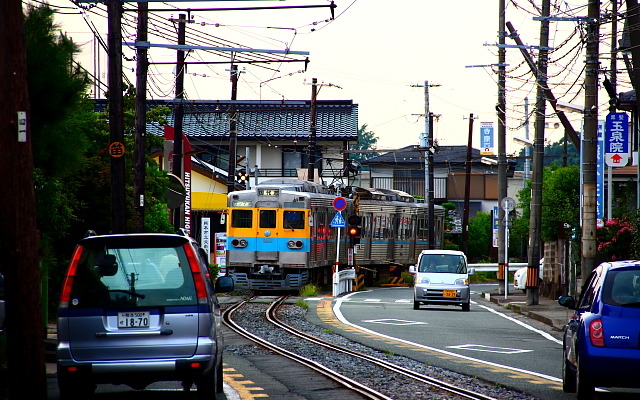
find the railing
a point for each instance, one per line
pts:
(343, 281)
(494, 267)
(413, 187)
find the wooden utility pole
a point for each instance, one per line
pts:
(535, 221)
(503, 262)
(142, 65)
(178, 114)
(590, 136)
(467, 187)
(25, 331)
(312, 132)
(116, 117)
(233, 130)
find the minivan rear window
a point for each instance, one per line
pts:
(132, 277)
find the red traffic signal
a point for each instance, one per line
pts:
(354, 219)
(354, 231)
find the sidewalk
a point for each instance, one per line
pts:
(546, 311)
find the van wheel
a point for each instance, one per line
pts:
(416, 305)
(207, 385)
(219, 379)
(70, 389)
(466, 307)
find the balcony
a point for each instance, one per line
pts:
(412, 186)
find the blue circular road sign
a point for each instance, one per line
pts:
(339, 203)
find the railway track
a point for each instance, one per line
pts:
(373, 376)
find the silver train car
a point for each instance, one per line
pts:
(279, 234)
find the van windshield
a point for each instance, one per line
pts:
(443, 263)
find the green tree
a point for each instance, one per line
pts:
(560, 200)
(479, 238)
(367, 140)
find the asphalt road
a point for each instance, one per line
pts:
(483, 342)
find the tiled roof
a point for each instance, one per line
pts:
(209, 119)
(410, 155)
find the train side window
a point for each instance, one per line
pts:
(267, 218)
(293, 220)
(241, 218)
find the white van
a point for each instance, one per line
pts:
(441, 277)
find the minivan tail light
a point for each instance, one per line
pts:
(65, 294)
(198, 280)
(596, 333)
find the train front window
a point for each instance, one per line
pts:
(241, 218)
(268, 219)
(293, 220)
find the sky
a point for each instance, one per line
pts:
(375, 52)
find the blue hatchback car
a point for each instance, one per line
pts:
(602, 339)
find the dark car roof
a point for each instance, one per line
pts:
(135, 240)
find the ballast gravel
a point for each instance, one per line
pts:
(252, 318)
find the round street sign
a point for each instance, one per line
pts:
(339, 203)
(508, 204)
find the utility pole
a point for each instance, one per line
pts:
(178, 114)
(633, 19)
(590, 136)
(467, 188)
(233, 129)
(426, 143)
(142, 66)
(116, 117)
(312, 129)
(535, 222)
(25, 332)
(503, 262)
(527, 148)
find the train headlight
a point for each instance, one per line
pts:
(239, 243)
(294, 244)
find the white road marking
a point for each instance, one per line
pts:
(338, 313)
(488, 349)
(391, 321)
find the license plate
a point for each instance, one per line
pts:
(449, 293)
(133, 319)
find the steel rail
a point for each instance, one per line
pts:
(227, 317)
(272, 317)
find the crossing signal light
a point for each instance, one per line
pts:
(354, 229)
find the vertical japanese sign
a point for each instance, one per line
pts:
(221, 254)
(616, 153)
(205, 236)
(486, 138)
(600, 172)
(495, 226)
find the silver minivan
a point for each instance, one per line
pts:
(441, 277)
(136, 309)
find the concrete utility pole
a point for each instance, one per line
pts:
(142, 66)
(535, 222)
(233, 130)
(467, 187)
(25, 332)
(312, 130)
(426, 143)
(501, 107)
(116, 117)
(178, 114)
(590, 138)
(633, 19)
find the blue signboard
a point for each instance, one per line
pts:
(616, 145)
(600, 171)
(486, 138)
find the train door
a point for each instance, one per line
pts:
(267, 235)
